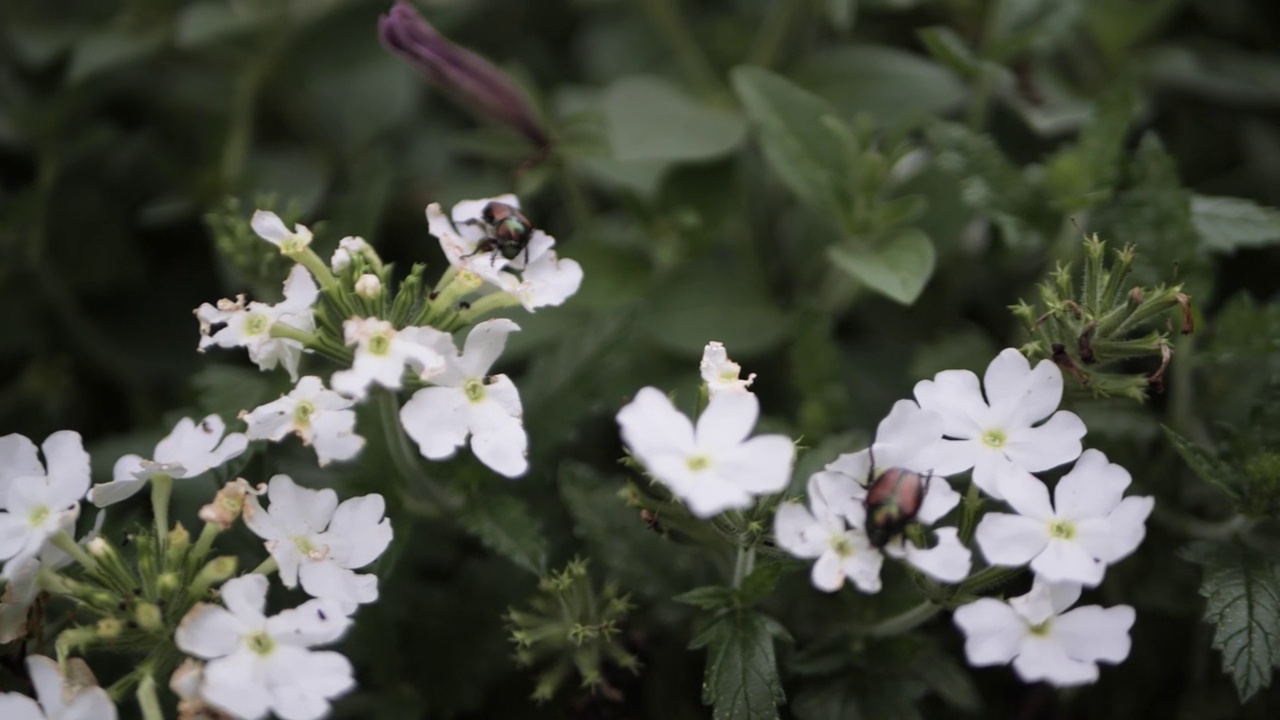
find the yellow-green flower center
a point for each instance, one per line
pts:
(842, 546)
(379, 344)
(1041, 629)
(38, 515)
(698, 463)
(474, 390)
(994, 439)
(304, 545)
(302, 413)
(256, 324)
(1064, 529)
(261, 643)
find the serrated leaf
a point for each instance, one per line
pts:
(1204, 463)
(651, 119)
(1085, 173)
(710, 597)
(504, 524)
(898, 270)
(1242, 593)
(760, 583)
(794, 128)
(741, 680)
(1226, 224)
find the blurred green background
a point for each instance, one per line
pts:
(985, 128)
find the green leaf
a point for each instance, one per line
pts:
(760, 583)
(1226, 224)
(504, 524)
(741, 680)
(1205, 464)
(948, 48)
(898, 270)
(651, 119)
(795, 131)
(111, 49)
(1242, 593)
(888, 84)
(709, 597)
(1086, 173)
(228, 389)
(211, 21)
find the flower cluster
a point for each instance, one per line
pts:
(712, 466)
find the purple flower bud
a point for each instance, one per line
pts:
(469, 78)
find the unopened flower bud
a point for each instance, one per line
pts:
(467, 77)
(148, 616)
(348, 249)
(1135, 297)
(99, 548)
(214, 571)
(228, 503)
(168, 582)
(109, 628)
(368, 286)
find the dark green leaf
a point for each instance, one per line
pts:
(651, 119)
(1226, 224)
(210, 21)
(898, 270)
(505, 525)
(741, 680)
(795, 130)
(1242, 593)
(1205, 464)
(945, 45)
(111, 49)
(710, 597)
(760, 583)
(888, 84)
(1085, 173)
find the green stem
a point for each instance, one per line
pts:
(148, 700)
(204, 544)
(318, 268)
(666, 16)
(987, 578)
(161, 492)
(904, 621)
(405, 459)
(970, 506)
(266, 567)
(485, 305)
(775, 30)
(68, 545)
(745, 564)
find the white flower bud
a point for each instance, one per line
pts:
(368, 286)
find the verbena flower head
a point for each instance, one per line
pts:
(1089, 525)
(1042, 639)
(322, 418)
(190, 450)
(258, 664)
(713, 466)
(991, 432)
(720, 373)
(321, 543)
(249, 325)
(468, 402)
(39, 500)
(271, 228)
(383, 353)
(58, 698)
(820, 532)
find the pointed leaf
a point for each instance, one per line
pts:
(1226, 224)
(1204, 463)
(898, 270)
(741, 679)
(505, 525)
(651, 119)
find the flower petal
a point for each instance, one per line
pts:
(909, 425)
(18, 458)
(792, 526)
(19, 707)
(827, 574)
(359, 533)
(484, 344)
(727, 421)
(948, 561)
(300, 510)
(862, 568)
(235, 685)
(314, 622)
(1117, 535)
(1092, 633)
(993, 631)
(1025, 493)
(1044, 659)
(68, 463)
(651, 424)
(1010, 540)
(949, 457)
(345, 587)
(208, 631)
(834, 493)
(1068, 561)
(760, 465)
(436, 419)
(269, 227)
(1054, 443)
(246, 596)
(469, 210)
(1092, 489)
(956, 396)
(939, 499)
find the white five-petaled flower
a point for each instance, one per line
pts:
(383, 353)
(989, 434)
(321, 418)
(1089, 525)
(321, 543)
(1043, 641)
(820, 532)
(22, 587)
(720, 373)
(39, 501)
(467, 401)
(545, 279)
(59, 697)
(271, 228)
(249, 325)
(712, 467)
(190, 450)
(258, 664)
(907, 439)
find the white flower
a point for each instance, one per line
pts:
(720, 373)
(1090, 524)
(321, 543)
(468, 401)
(368, 286)
(820, 532)
(21, 586)
(382, 353)
(249, 326)
(547, 280)
(1042, 641)
(190, 450)
(348, 248)
(271, 228)
(258, 664)
(712, 467)
(1000, 430)
(39, 501)
(60, 698)
(322, 418)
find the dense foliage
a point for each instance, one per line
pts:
(851, 196)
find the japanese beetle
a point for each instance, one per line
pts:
(892, 501)
(507, 231)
